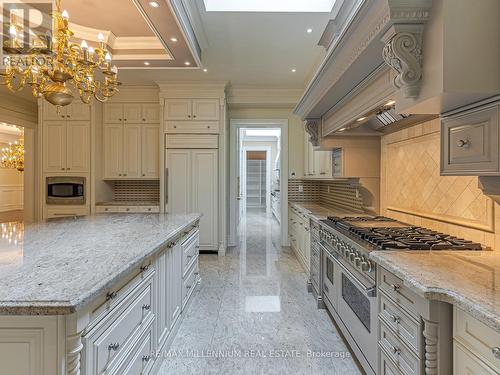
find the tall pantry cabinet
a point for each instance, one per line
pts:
(194, 119)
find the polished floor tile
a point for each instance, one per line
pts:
(253, 315)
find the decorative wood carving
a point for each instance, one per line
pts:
(403, 53)
(312, 128)
(431, 347)
(74, 348)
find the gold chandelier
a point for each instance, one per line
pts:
(54, 63)
(12, 157)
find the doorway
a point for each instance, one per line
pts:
(258, 155)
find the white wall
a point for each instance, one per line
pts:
(11, 188)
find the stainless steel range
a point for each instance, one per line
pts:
(348, 280)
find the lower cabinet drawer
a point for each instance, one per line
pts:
(141, 359)
(204, 127)
(404, 327)
(109, 341)
(477, 337)
(402, 295)
(189, 283)
(58, 212)
(190, 250)
(386, 365)
(126, 209)
(403, 358)
(465, 363)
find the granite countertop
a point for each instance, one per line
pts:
(128, 203)
(468, 279)
(57, 267)
(320, 212)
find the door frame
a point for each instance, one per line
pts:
(268, 151)
(234, 127)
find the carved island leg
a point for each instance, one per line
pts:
(431, 336)
(75, 325)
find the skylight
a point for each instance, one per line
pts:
(315, 6)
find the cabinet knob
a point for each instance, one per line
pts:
(146, 358)
(208, 126)
(68, 116)
(119, 174)
(113, 346)
(395, 287)
(119, 119)
(62, 169)
(396, 351)
(124, 119)
(189, 116)
(144, 174)
(111, 295)
(194, 116)
(395, 319)
(144, 268)
(146, 306)
(463, 143)
(496, 352)
(124, 174)
(143, 119)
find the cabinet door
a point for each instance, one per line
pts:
(204, 196)
(178, 109)
(51, 112)
(78, 146)
(132, 113)
(151, 113)
(174, 284)
(113, 113)
(206, 109)
(54, 146)
(162, 284)
(78, 111)
(178, 163)
(113, 151)
(337, 163)
(132, 150)
(150, 151)
(324, 168)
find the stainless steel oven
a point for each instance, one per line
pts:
(65, 190)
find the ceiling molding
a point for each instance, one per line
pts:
(176, 89)
(137, 42)
(144, 94)
(262, 96)
(193, 13)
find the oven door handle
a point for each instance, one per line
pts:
(370, 292)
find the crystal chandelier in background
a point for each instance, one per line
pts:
(12, 156)
(54, 65)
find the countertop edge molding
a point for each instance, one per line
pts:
(488, 227)
(71, 306)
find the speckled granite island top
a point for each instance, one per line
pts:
(59, 266)
(468, 279)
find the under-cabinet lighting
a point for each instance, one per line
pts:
(361, 119)
(187, 63)
(173, 39)
(309, 31)
(146, 63)
(390, 102)
(154, 4)
(205, 70)
(294, 70)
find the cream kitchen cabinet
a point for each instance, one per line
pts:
(300, 238)
(192, 183)
(317, 164)
(131, 151)
(66, 146)
(192, 110)
(74, 111)
(118, 113)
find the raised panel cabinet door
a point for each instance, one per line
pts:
(178, 109)
(113, 151)
(78, 111)
(78, 146)
(132, 113)
(204, 197)
(52, 112)
(206, 109)
(325, 163)
(162, 294)
(150, 151)
(54, 146)
(131, 150)
(151, 113)
(113, 113)
(178, 163)
(174, 283)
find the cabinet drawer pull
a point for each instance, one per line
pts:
(496, 352)
(194, 116)
(111, 295)
(146, 358)
(463, 143)
(395, 287)
(113, 346)
(395, 319)
(396, 351)
(196, 273)
(146, 306)
(145, 268)
(189, 256)
(188, 286)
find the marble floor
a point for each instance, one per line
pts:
(253, 315)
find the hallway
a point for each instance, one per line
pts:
(253, 314)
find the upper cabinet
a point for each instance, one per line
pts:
(117, 113)
(470, 141)
(317, 164)
(74, 111)
(192, 110)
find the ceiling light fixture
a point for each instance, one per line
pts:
(187, 63)
(309, 31)
(205, 70)
(146, 63)
(390, 102)
(154, 4)
(342, 129)
(294, 70)
(361, 119)
(173, 39)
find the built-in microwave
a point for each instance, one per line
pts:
(65, 190)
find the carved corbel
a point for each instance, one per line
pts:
(403, 53)
(312, 128)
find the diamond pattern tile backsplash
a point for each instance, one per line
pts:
(414, 191)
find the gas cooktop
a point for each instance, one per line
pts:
(384, 233)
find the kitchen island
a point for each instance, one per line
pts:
(98, 294)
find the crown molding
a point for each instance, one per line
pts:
(183, 89)
(262, 96)
(139, 93)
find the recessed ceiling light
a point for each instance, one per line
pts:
(390, 102)
(342, 129)
(154, 4)
(309, 31)
(187, 63)
(205, 70)
(173, 39)
(361, 119)
(146, 63)
(294, 70)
